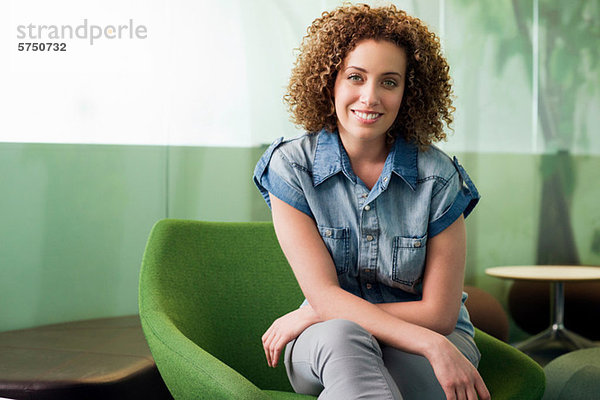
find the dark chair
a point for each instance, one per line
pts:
(487, 313)
(104, 358)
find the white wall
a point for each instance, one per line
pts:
(209, 73)
(213, 73)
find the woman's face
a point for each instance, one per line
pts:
(368, 90)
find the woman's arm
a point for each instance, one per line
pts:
(442, 283)
(438, 309)
(315, 272)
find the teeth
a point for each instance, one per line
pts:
(366, 115)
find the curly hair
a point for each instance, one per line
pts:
(427, 100)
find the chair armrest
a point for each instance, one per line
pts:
(189, 371)
(507, 372)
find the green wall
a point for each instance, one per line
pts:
(75, 218)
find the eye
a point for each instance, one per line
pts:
(389, 83)
(354, 77)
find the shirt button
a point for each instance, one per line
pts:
(328, 233)
(417, 243)
(385, 179)
(367, 270)
(367, 207)
(369, 286)
(369, 238)
(364, 195)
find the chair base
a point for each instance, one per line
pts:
(553, 342)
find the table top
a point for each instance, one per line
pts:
(549, 273)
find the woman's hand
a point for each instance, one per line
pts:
(284, 330)
(459, 379)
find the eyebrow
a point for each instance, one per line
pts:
(365, 71)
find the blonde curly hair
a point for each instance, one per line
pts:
(427, 101)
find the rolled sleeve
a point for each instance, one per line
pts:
(275, 174)
(458, 196)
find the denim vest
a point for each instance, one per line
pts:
(377, 238)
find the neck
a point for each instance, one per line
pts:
(365, 151)
(367, 158)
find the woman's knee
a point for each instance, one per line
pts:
(342, 357)
(340, 329)
(344, 338)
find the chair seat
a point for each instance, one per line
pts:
(575, 375)
(93, 359)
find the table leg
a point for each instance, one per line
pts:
(557, 306)
(556, 336)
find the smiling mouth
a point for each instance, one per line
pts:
(367, 116)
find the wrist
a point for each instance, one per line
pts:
(309, 313)
(434, 344)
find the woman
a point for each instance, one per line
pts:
(370, 216)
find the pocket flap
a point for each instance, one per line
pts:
(333, 233)
(410, 242)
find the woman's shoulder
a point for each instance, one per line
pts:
(299, 149)
(434, 162)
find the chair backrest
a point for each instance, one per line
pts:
(222, 285)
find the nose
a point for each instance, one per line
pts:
(369, 95)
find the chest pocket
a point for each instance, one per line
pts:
(408, 260)
(337, 242)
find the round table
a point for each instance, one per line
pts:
(557, 275)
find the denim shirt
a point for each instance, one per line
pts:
(377, 238)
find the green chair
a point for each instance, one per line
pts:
(209, 290)
(574, 376)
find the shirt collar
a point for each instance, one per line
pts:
(404, 155)
(331, 158)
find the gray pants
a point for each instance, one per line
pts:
(338, 359)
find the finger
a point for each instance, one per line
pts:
(460, 393)
(272, 347)
(471, 393)
(267, 333)
(267, 346)
(268, 340)
(482, 390)
(277, 353)
(273, 358)
(449, 392)
(268, 355)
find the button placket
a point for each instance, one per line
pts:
(361, 198)
(369, 230)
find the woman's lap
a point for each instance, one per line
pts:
(348, 360)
